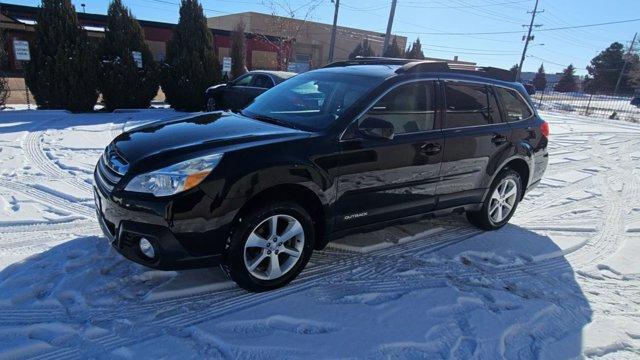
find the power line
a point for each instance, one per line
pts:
(463, 6)
(518, 32)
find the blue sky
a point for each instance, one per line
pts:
(426, 18)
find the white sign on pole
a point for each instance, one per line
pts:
(137, 58)
(21, 49)
(226, 64)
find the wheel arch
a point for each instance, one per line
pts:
(519, 164)
(298, 194)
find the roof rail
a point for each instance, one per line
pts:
(442, 66)
(418, 66)
(361, 60)
(409, 66)
(489, 72)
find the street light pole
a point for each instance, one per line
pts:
(333, 31)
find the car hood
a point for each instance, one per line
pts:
(158, 141)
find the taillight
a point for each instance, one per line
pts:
(544, 128)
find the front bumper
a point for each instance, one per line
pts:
(124, 228)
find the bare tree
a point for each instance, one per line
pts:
(286, 22)
(238, 49)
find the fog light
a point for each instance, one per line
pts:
(147, 248)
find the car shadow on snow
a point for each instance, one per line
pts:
(458, 293)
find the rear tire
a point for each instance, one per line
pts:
(211, 105)
(263, 257)
(501, 202)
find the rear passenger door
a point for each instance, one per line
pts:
(476, 141)
(384, 179)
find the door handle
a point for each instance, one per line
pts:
(498, 139)
(430, 149)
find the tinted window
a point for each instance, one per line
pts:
(313, 100)
(262, 81)
(244, 80)
(470, 105)
(514, 106)
(410, 108)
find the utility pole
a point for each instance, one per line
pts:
(387, 36)
(528, 38)
(334, 30)
(626, 63)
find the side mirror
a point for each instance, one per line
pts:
(376, 128)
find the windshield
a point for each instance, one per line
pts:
(312, 100)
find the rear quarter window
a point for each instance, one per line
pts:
(515, 107)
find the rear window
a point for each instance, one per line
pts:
(514, 106)
(470, 105)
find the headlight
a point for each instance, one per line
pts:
(175, 178)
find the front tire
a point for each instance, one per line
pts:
(501, 203)
(270, 246)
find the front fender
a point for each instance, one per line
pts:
(306, 175)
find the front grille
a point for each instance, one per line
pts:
(111, 167)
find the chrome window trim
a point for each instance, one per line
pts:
(372, 103)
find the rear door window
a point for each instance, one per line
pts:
(514, 106)
(410, 108)
(470, 105)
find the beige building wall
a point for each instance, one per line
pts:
(312, 38)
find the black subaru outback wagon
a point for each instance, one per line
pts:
(352, 146)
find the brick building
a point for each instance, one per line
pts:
(18, 23)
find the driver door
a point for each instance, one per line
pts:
(236, 93)
(383, 179)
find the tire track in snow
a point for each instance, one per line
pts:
(32, 146)
(48, 198)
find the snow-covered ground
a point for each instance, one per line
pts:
(561, 281)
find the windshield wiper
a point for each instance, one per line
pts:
(269, 119)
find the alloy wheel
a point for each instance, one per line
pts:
(274, 247)
(503, 200)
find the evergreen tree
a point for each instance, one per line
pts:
(514, 71)
(191, 65)
(363, 49)
(605, 69)
(4, 85)
(123, 84)
(540, 80)
(62, 73)
(415, 51)
(238, 66)
(567, 82)
(393, 51)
